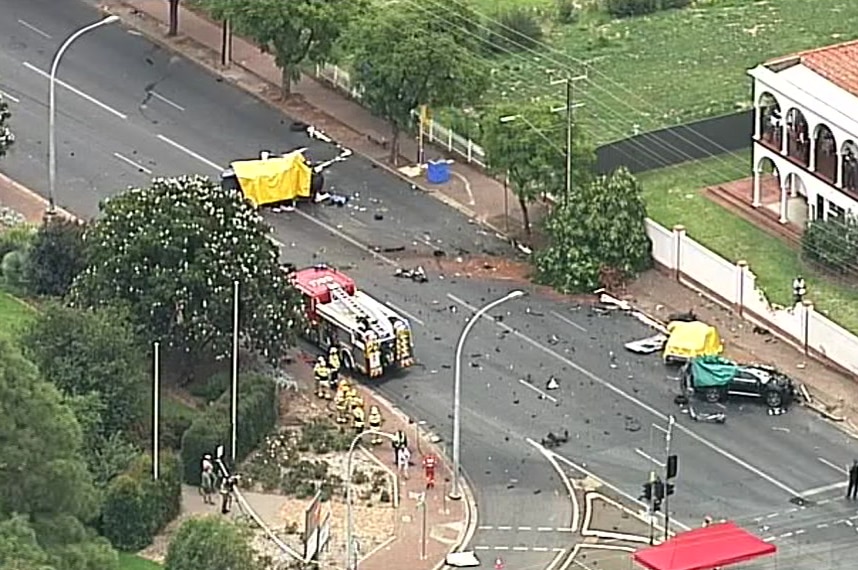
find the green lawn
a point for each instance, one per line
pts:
(133, 562)
(673, 197)
(669, 67)
(14, 315)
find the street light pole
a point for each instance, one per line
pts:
(455, 492)
(234, 388)
(52, 107)
(351, 563)
(156, 410)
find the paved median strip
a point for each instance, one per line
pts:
(507, 528)
(483, 547)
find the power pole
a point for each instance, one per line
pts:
(671, 466)
(570, 107)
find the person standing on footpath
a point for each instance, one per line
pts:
(400, 441)
(403, 460)
(852, 488)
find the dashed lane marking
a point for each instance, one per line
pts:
(568, 321)
(132, 163)
(648, 457)
(169, 102)
(7, 96)
(406, 313)
(189, 152)
(76, 91)
(542, 394)
(564, 529)
(484, 547)
(33, 28)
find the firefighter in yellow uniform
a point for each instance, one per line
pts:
(341, 401)
(334, 366)
(374, 420)
(358, 418)
(323, 378)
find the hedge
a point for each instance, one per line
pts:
(257, 415)
(136, 507)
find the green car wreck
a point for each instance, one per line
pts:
(715, 379)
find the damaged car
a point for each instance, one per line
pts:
(716, 379)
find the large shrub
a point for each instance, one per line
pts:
(56, 257)
(629, 8)
(136, 507)
(832, 243)
(515, 29)
(257, 415)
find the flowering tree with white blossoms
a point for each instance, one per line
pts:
(6, 136)
(171, 253)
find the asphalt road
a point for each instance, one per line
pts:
(137, 111)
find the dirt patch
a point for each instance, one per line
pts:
(608, 517)
(659, 295)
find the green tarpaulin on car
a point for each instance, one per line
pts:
(710, 371)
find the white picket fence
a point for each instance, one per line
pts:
(434, 132)
(732, 284)
(735, 285)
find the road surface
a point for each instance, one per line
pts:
(129, 111)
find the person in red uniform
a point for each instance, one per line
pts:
(429, 463)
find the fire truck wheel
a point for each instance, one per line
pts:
(347, 359)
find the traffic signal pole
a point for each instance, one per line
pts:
(652, 499)
(670, 467)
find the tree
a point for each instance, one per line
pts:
(41, 472)
(527, 146)
(170, 254)
(295, 32)
(85, 352)
(6, 135)
(832, 243)
(19, 546)
(600, 232)
(56, 257)
(405, 60)
(211, 543)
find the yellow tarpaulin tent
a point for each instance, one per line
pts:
(275, 179)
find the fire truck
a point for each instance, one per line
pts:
(372, 338)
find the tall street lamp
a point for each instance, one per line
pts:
(52, 109)
(351, 563)
(455, 492)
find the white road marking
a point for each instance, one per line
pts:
(641, 404)
(485, 527)
(76, 91)
(467, 183)
(33, 28)
(545, 529)
(822, 525)
(163, 99)
(540, 549)
(7, 96)
(480, 547)
(565, 529)
(501, 547)
(659, 428)
(824, 489)
(525, 528)
(134, 33)
(190, 153)
(568, 321)
(836, 467)
(561, 554)
(406, 313)
(524, 382)
(504, 528)
(130, 162)
(786, 535)
(520, 548)
(801, 531)
(648, 457)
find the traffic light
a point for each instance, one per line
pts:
(647, 491)
(656, 505)
(669, 489)
(658, 490)
(672, 466)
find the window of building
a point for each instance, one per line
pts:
(835, 211)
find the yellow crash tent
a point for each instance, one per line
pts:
(275, 179)
(690, 339)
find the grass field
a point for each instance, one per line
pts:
(673, 197)
(669, 67)
(14, 315)
(132, 562)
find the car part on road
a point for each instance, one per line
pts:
(649, 345)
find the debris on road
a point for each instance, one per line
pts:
(552, 441)
(552, 384)
(649, 345)
(416, 274)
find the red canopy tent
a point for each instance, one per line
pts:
(704, 549)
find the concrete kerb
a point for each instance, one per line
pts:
(35, 196)
(467, 532)
(221, 72)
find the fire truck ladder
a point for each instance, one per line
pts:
(338, 294)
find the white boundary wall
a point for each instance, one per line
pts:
(734, 285)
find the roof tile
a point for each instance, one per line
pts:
(837, 63)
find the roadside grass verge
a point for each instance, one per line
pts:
(15, 315)
(673, 197)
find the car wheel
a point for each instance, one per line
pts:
(774, 399)
(347, 359)
(712, 395)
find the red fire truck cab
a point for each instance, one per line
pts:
(372, 338)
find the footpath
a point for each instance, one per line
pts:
(470, 190)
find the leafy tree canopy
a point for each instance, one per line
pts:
(171, 253)
(19, 546)
(599, 233)
(41, 473)
(83, 352)
(295, 32)
(6, 135)
(211, 543)
(528, 146)
(406, 59)
(56, 257)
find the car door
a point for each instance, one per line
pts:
(744, 384)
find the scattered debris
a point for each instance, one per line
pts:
(631, 424)
(686, 317)
(378, 216)
(649, 345)
(417, 274)
(394, 249)
(552, 384)
(338, 200)
(552, 441)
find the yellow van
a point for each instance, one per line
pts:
(688, 340)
